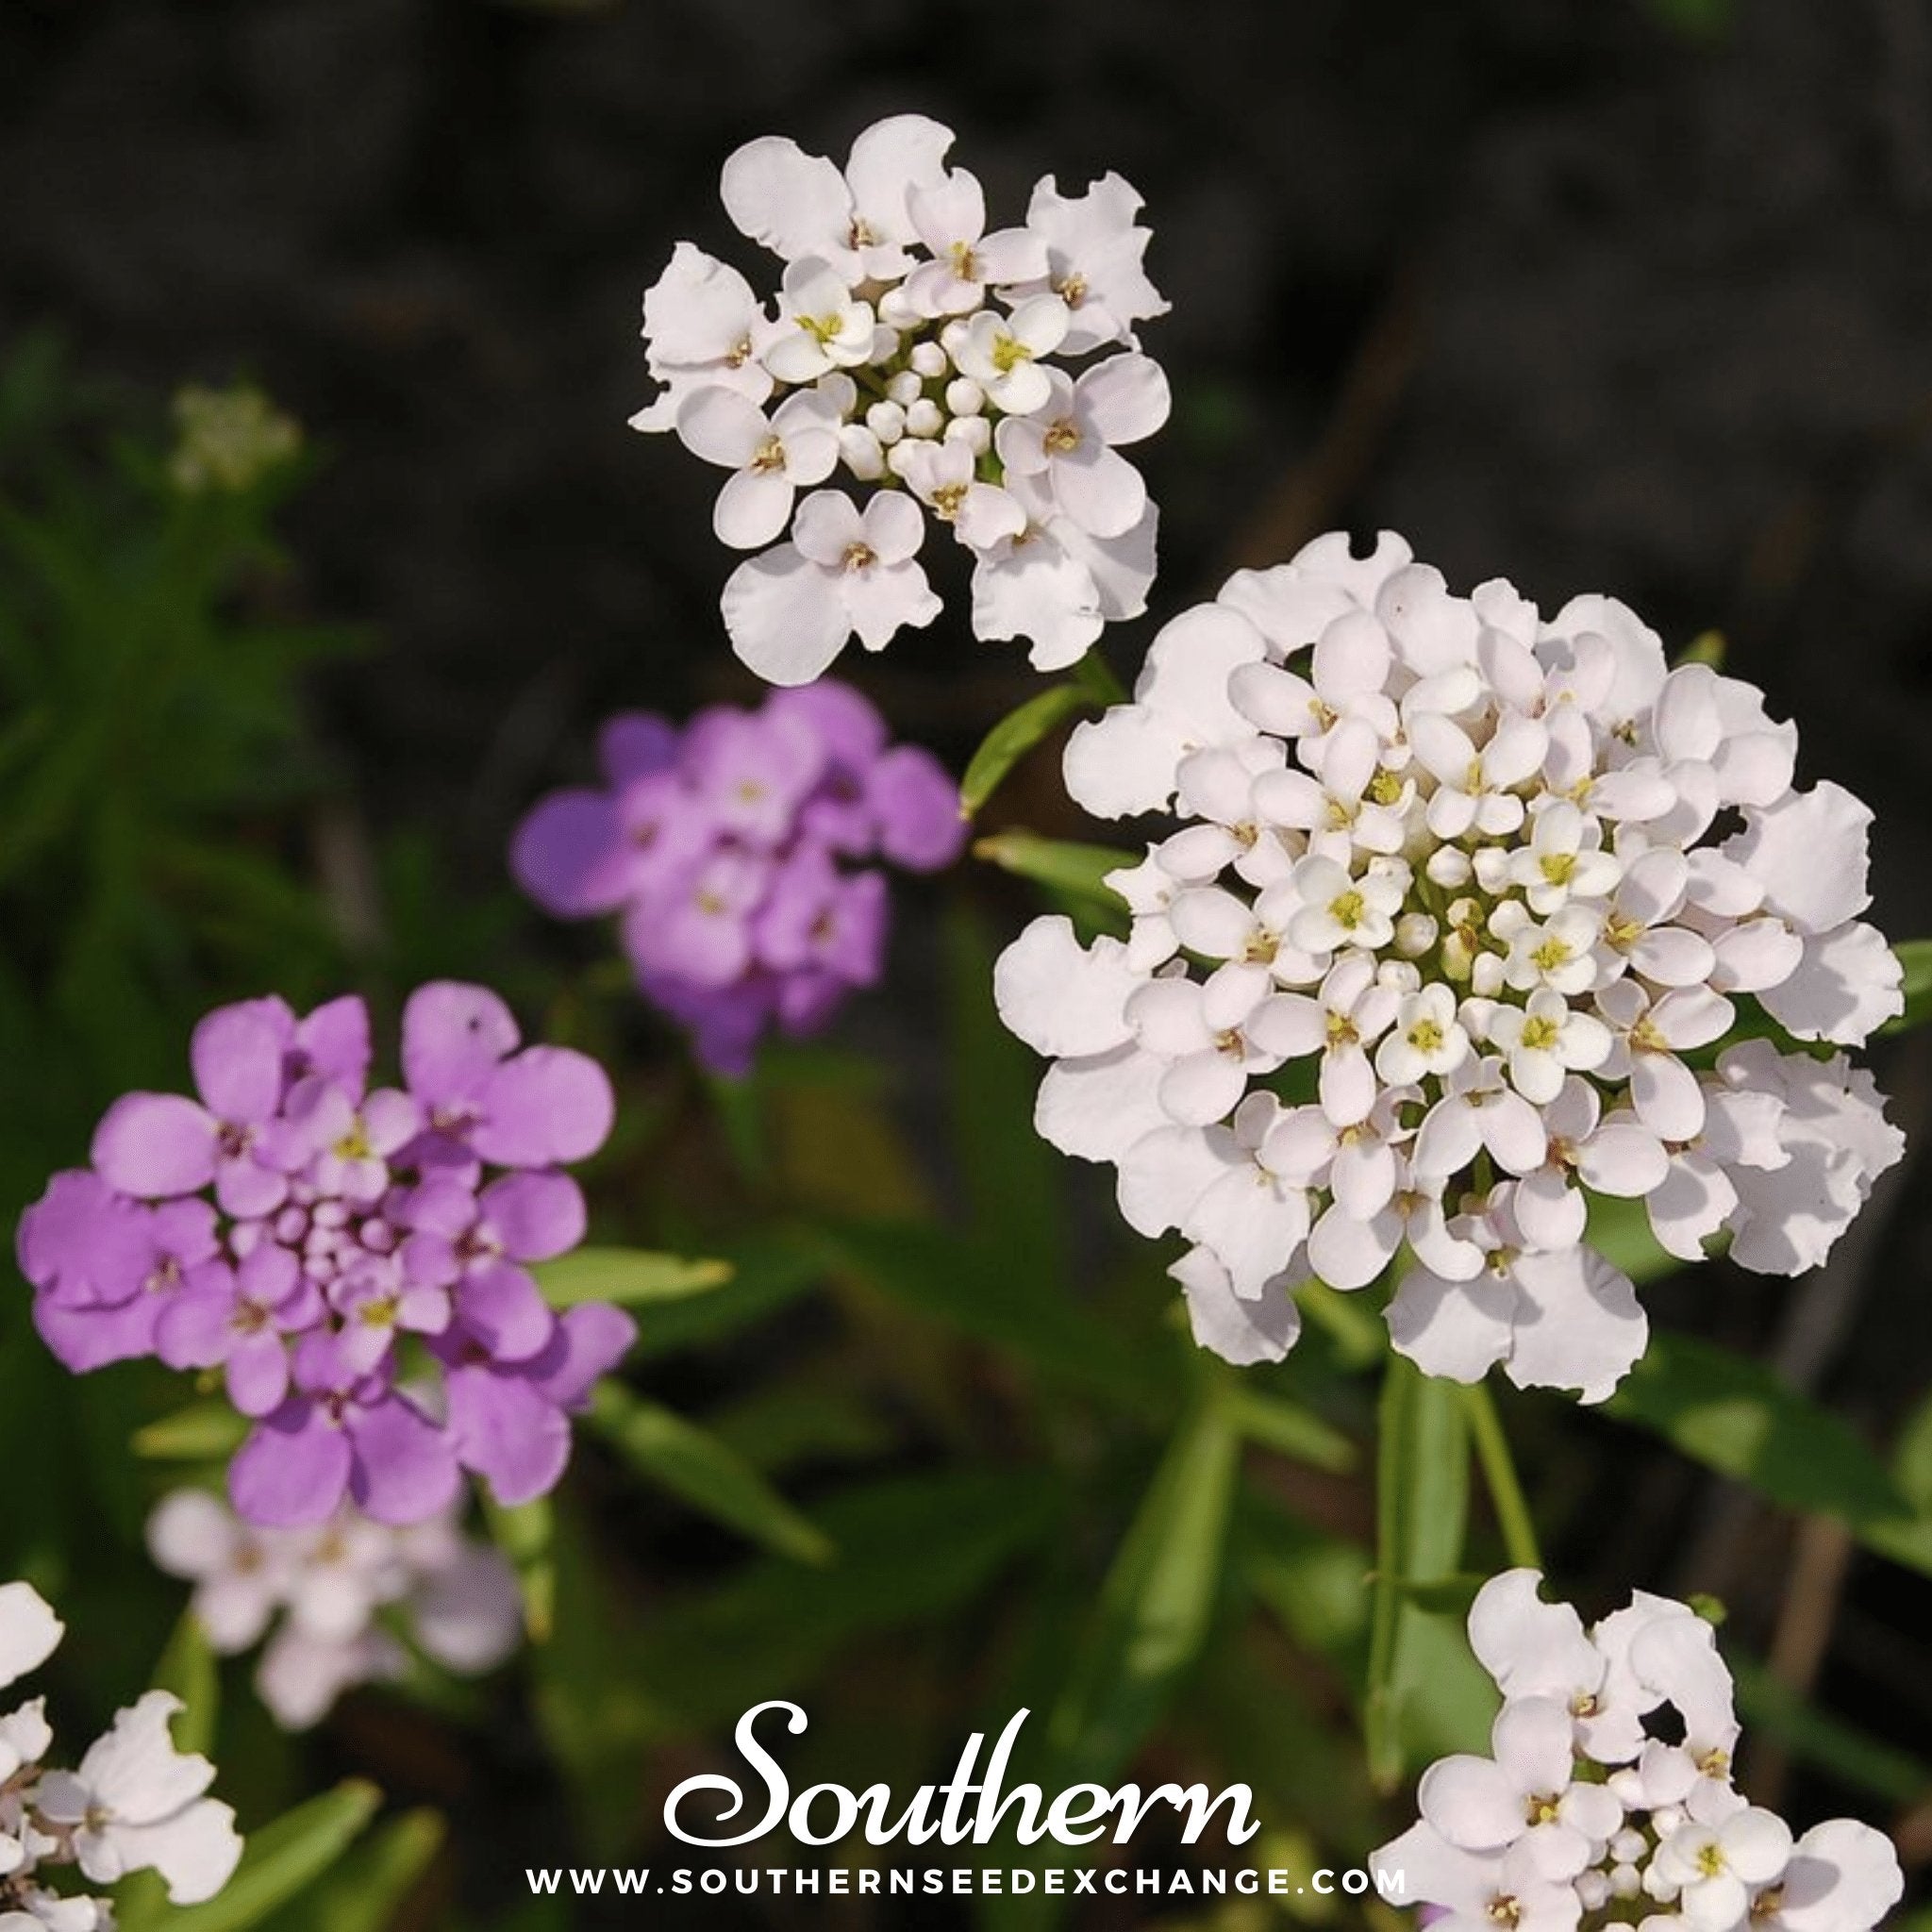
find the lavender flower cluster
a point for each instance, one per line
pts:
(347, 1226)
(741, 853)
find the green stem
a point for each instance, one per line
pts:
(1093, 674)
(1500, 1478)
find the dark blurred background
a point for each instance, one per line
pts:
(1597, 294)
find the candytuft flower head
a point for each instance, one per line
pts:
(1606, 1798)
(913, 353)
(360, 1277)
(334, 1594)
(1473, 915)
(135, 1804)
(741, 852)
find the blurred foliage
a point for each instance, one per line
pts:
(920, 1441)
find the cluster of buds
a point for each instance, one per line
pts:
(1607, 1798)
(911, 351)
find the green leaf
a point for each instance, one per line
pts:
(697, 1466)
(1911, 1462)
(934, 1272)
(203, 1432)
(1620, 1232)
(188, 1668)
(1738, 1417)
(277, 1862)
(1915, 955)
(1293, 1431)
(629, 1276)
(1012, 738)
(1077, 870)
(1422, 1512)
(767, 1270)
(370, 1894)
(525, 1535)
(1158, 1598)
(911, 1549)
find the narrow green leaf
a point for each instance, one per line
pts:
(1912, 1461)
(277, 1862)
(1293, 1431)
(1915, 955)
(1079, 871)
(1158, 1599)
(1012, 738)
(188, 1668)
(767, 1270)
(629, 1276)
(698, 1468)
(1738, 1417)
(525, 1535)
(369, 1894)
(1422, 1510)
(202, 1432)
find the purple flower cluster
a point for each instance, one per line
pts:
(345, 1218)
(737, 852)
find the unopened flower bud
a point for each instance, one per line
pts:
(1415, 933)
(904, 388)
(1485, 976)
(897, 313)
(859, 449)
(1448, 866)
(965, 397)
(1625, 1882)
(976, 432)
(929, 360)
(924, 418)
(887, 421)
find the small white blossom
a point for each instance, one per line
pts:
(322, 1589)
(911, 344)
(1520, 873)
(1585, 1806)
(791, 610)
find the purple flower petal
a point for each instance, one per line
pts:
(501, 1307)
(293, 1470)
(333, 1041)
(246, 1188)
(84, 1243)
(508, 1432)
(237, 1054)
(917, 807)
(569, 855)
(846, 723)
(195, 1328)
(452, 1036)
(405, 1467)
(257, 1378)
(548, 1105)
(591, 1341)
(152, 1145)
(535, 1215)
(634, 745)
(85, 1339)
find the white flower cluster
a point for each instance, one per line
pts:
(136, 1803)
(1609, 1798)
(912, 349)
(328, 1584)
(1473, 916)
